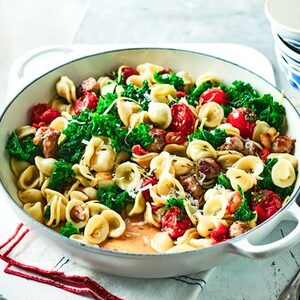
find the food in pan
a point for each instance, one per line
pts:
(149, 160)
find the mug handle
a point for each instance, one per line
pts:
(245, 248)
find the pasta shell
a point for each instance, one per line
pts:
(240, 178)
(103, 81)
(207, 77)
(30, 196)
(25, 131)
(144, 160)
(138, 118)
(174, 149)
(150, 217)
(229, 129)
(147, 70)
(215, 206)
(261, 127)
(57, 211)
(136, 80)
(45, 165)
(69, 213)
(59, 124)
(187, 79)
(162, 164)
(126, 109)
(291, 158)
(83, 174)
(180, 248)
(18, 166)
(115, 222)
(206, 224)
(198, 149)
(161, 242)
(30, 178)
(58, 104)
(227, 158)
(201, 243)
(283, 173)
(190, 211)
(35, 210)
(160, 114)
(65, 88)
(182, 166)
(128, 176)
(191, 233)
(96, 230)
(169, 185)
(90, 192)
(95, 207)
(250, 164)
(163, 93)
(139, 205)
(77, 195)
(212, 113)
(103, 159)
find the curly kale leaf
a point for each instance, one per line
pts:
(113, 197)
(68, 229)
(140, 136)
(242, 94)
(22, 149)
(178, 202)
(224, 181)
(169, 78)
(139, 94)
(267, 184)
(105, 102)
(215, 137)
(194, 93)
(61, 176)
(244, 213)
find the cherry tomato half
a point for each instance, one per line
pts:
(138, 150)
(146, 193)
(88, 100)
(243, 119)
(175, 223)
(49, 115)
(175, 138)
(183, 120)
(220, 234)
(127, 72)
(269, 203)
(180, 94)
(214, 95)
(37, 113)
(263, 154)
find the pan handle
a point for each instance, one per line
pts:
(244, 247)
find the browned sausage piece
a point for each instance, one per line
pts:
(88, 85)
(159, 140)
(192, 186)
(250, 148)
(208, 167)
(77, 213)
(48, 138)
(283, 144)
(232, 143)
(237, 228)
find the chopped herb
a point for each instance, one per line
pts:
(68, 229)
(139, 94)
(105, 102)
(61, 176)
(224, 181)
(178, 202)
(169, 78)
(113, 197)
(243, 213)
(22, 149)
(267, 184)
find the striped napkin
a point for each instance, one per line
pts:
(28, 256)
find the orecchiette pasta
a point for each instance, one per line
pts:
(65, 88)
(212, 113)
(150, 158)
